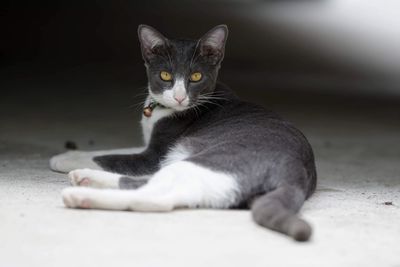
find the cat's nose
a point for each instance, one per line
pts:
(180, 98)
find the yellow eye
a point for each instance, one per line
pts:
(195, 77)
(165, 76)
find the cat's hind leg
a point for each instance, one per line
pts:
(103, 179)
(181, 184)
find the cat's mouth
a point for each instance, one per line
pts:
(171, 102)
(176, 106)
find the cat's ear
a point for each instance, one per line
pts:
(151, 41)
(212, 44)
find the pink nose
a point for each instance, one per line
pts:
(179, 98)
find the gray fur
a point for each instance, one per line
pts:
(272, 160)
(125, 182)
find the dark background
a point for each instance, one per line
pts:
(75, 60)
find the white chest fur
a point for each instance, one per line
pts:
(149, 122)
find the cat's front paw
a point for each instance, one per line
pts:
(72, 160)
(94, 178)
(74, 197)
(80, 177)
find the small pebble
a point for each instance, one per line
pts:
(70, 145)
(388, 203)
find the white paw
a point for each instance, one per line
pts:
(73, 160)
(74, 197)
(80, 177)
(94, 178)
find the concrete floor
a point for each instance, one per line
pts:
(355, 211)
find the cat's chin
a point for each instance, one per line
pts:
(179, 108)
(175, 107)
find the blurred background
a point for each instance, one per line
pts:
(69, 67)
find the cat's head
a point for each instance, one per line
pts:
(182, 73)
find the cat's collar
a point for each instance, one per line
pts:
(148, 109)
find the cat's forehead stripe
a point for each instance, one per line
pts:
(182, 52)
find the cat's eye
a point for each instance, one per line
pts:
(165, 76)
(195, 77)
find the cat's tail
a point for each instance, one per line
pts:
(277, 210)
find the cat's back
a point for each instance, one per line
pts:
(233, 111)
(249, 126)
(242, 117)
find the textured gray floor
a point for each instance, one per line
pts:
(355, 211)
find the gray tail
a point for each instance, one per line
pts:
(277, 210)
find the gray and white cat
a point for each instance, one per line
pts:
(205, 148)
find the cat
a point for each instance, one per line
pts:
(205, 148)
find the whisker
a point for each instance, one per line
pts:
(207, 101)
(143, 95)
